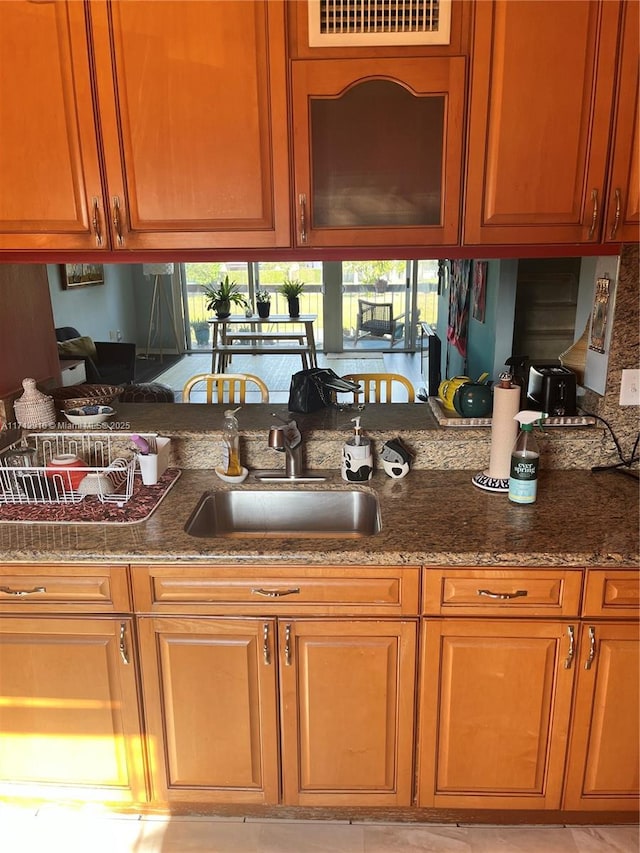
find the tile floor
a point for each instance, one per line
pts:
(53, 829)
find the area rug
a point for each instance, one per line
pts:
(148, 369)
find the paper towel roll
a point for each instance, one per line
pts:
(504, 430)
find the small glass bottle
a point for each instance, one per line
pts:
(231, 444)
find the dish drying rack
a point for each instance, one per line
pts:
(110, 455)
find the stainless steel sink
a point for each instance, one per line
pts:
(286, 512)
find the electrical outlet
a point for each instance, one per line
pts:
(118, 335)
(630, 388)
(112, 335)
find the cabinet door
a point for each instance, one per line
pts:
(622, 221)
(193, 117)
(347, 712)
(69, 720)
(49, 172)
(495, 703)
(604, 755)
(209, 688)
(540, 117)
(377, 151)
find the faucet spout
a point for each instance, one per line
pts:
(288, 440)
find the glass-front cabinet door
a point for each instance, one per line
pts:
(377, 151)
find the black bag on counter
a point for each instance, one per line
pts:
(312, 389)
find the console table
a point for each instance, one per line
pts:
(277, 331)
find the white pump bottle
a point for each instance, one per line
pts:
(357, 458)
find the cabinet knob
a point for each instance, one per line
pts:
(8, 591)
(519, 593)
(95, 221)
(287, 645)
(616, 218)
(303, 217)
(592, 647)
(117, 221)
(572, 646)
(594, 213)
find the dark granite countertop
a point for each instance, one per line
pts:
(433, 517)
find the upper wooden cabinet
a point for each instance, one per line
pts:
(193, 137)
(542, 85)
(378, 151)
(622, 218)
(192, 102)
(49, 163)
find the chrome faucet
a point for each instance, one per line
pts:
(288, 439)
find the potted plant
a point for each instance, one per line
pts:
(291, 290)
(221, 296)
(263, 303)
(201, 330)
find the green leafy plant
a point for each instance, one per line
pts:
(263, 296)
(221, 296)
(291, 287)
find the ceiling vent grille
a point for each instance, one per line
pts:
(378, 22)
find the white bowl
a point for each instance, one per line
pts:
(87, 416)
(96, 484)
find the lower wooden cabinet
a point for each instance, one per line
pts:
(209, 689)
(346, 709)
(69, 724)
(347, 691)
(495, 707)
(604, 756)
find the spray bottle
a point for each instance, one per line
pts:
(231, 444)
(357, 458)
(525, 457)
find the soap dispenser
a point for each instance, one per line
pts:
(231, 444)
(357, 458)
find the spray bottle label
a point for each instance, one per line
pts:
(523, 479)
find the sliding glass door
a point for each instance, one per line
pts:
(361, 306)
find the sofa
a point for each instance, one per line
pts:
(108, 362)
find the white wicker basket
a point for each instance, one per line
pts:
(34, 410)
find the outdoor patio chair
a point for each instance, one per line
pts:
(376, 320)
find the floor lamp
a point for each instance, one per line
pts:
(155, 312)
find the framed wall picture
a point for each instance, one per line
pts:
(81, 275)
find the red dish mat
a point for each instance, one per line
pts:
(90, 510)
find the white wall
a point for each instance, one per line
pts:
(97, 310)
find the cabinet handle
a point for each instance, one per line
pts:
(265, 643)
(572, 647)
(95, 222)
(117, 222)
(276, 593)
(592, 647)
(616, 219)
(303, 217)
(9, 591)
(287, 645)
(124, 654)
(519, 593)
(594, 214)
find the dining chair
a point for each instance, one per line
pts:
(377, 387)
(225, 387)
